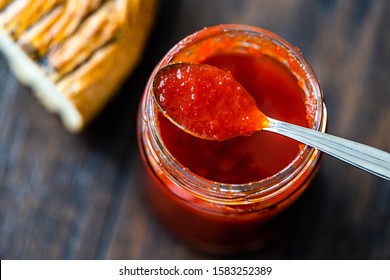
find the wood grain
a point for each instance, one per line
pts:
(66, 196)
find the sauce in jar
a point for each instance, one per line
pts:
(218, 194)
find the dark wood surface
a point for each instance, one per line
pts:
(65, 196)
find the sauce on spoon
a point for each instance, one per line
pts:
(206, 101)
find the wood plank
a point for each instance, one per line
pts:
(58, 190)
(65, 196)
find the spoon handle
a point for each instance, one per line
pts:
(362, 156)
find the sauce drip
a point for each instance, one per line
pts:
(244, 159)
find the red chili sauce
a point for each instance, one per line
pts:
(245, 159)
(206, 101)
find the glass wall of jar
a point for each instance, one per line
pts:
(215, 215)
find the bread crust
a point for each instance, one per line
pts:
(74, 54)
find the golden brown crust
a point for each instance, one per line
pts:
(4, 3)
(58, 25)
(85, 48)
(20, 16)
(99, 29)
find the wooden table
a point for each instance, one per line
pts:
(65, 196)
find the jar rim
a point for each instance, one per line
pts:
(217, 191)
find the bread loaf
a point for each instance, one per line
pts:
(74, 54)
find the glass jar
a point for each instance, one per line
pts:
(223, 217)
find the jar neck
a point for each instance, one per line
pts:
(262, 41)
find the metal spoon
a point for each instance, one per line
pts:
(185, 102)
